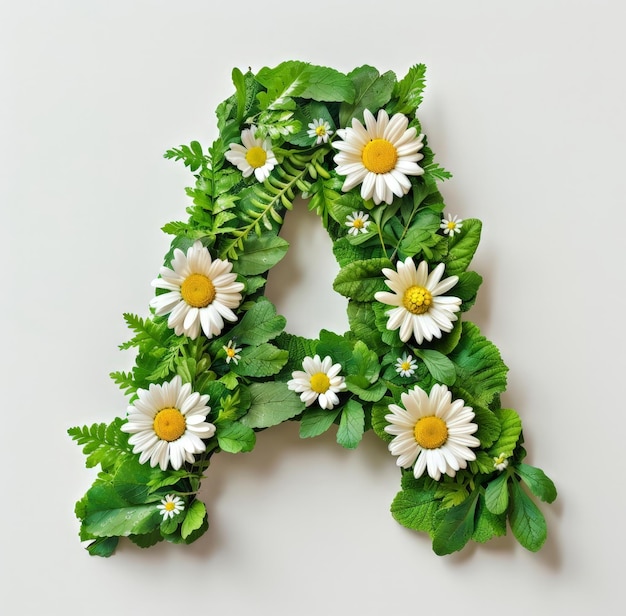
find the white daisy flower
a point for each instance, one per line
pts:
(421, 309)
(253, 155)
(232, 353)
(320, 381)
(170, 506)
(379, 156)
(501, 462)
(451, 225)
(357, 221)
(432, 433)
(202, 292)
(406, 365)
(319, 129)
(167, 424)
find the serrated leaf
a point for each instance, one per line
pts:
(537, 481)
(351, 425)
(497, 494)
(262, 360)
(259, 254)
(488, 425)
(456, 527)
(234, 437)
(511, 429)
(194, 519)
(316, 421)
(487, 524)
(463, 246)
(271, 403)
(372, 91)
(439, 366)
(366, 392)
(415, 509)
(259, 324)
(409, 90)
(360, 280)
(527, 522)
(379, 410)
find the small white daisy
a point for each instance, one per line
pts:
(379, 156)
(170, 506)
(501, 462)
(420, 308)
(167, 423)
(202, 292)
(432, 433)
(451, 225)
(253, 155)
(320, 129)
(406, 365)
(357, 221)
(232, 353)
(320, 381)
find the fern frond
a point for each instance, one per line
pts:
(103, 444)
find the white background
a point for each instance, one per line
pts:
(525, 105)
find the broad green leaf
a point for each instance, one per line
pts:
(194, 518)
(463, 246)
(527, 522)
(456, 527)
(363, 362)
(240, 92)
(316, 421)
(259, 324)
(360, 280)
(488, 425)
(379, 410)
(365, 391)
(259, 254)
(283, 83)
(103, 546)
(271, 404)
(537, 481)
(511, 429)
(372, 91)
(415, 509)
(441, 368)
(466, 289)
(351, 425)
(297, 348)
(262, 360)
(487, 524)
(337, 347)
(479, 367)
(497, 494)
(363, 325)
(327, 84)
(234, 437)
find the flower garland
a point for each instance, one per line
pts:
(215, 365)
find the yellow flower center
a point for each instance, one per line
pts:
(430, 432)
(169, 424)
(230, 352)
(169, 506)
(451, 225)
(320, 131)
(320, 382)
(379, 156)
(406, 366)
(358, 223)
(417, 300)
(197, 290)
(256, 156)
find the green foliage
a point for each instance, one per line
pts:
(239, 219)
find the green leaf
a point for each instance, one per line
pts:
(372, 393)
(487, 524)
(362, 321)
(379, 410)
(271, 404)
(466, 289)
(327, 84)
(497, 494)
(351, 425)
(337, 347)
(479, 367)
(262, 360)
(409, 90)
(537, 481)
(463, 246)
(456, 527)
(316, 421)
(259, 254)
(234, 437)
(363, 363)
(488, 425)
(527, 522)
(103, 444)
(259, 324)
(439, 366)
(194, 519)
(360, 280)
(372, 91)
(415, 509)
(511, 429)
